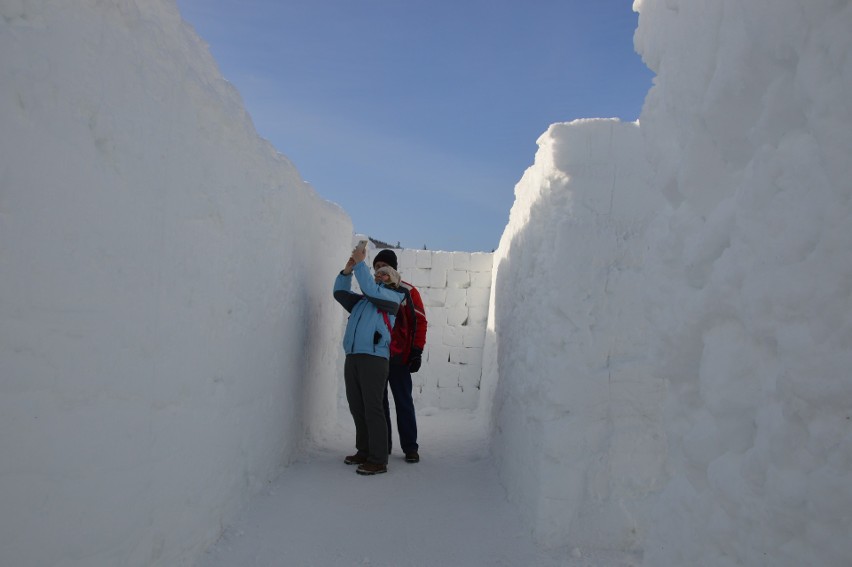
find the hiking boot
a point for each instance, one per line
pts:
(355, 459)
(412, 457)
(371, 468)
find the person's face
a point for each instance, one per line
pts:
(382, 277)
(379, 265)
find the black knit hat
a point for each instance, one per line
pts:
(386, 256)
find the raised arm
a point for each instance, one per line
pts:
(343, 287)
(382, 297)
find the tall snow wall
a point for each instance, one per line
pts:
(698, 411)
(577, 411)
(166, 290)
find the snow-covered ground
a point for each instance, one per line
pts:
(666, 364)
(449, 509)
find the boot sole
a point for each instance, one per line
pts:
(370, 473)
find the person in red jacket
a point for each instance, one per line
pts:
(406, 354)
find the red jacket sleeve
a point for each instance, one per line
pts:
(420, 315)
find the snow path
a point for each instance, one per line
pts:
(449, 509)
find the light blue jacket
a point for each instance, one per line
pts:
(366, 331)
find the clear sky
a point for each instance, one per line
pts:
(419, 116)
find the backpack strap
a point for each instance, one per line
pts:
(387, 322)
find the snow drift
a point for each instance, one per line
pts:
(672, 349)
(166, 290)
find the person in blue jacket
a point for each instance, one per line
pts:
(366, 342)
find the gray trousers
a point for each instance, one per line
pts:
(366, 377)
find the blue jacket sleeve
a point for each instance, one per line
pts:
(343, 292)
(384, 298)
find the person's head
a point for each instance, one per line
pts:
(387, 276)
(385, 258)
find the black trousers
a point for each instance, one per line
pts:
(399, 380)
(366, 378)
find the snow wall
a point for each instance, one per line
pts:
(160, 310)
(675, 378)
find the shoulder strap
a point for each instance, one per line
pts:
(387, 321)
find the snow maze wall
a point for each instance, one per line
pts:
(156, 324)
(685, 391)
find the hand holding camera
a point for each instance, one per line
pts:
(359, 254)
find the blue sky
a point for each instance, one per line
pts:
(419, 117)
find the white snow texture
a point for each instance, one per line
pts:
(676, 378)
(166, 291)
(667, 359)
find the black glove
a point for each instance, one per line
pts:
(415, 359)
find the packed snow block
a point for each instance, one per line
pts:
(438, 278)
(438, 353)
(444, 369)
(419, 378)
(476, 334)
(433, 297)
(455, 398)
(637, 437)
(166, 348)
(427, 397)
(571, 446)
(417, 277)
(478, 316)
(449, 377)
(430, 380)
(434, 332)
(461, 261)
(478, 297)
(456, 316)
(436, 318)
(453, 337)
(424, 374)
(466, 355)
(456, 298)
(630, 470)
(470, 376)
(470, 398)
(458, 279)
(458, 399)
(406, 258)
(474, 338)
(442, 261)
(480, 280)
(481, 262)
(423, 259)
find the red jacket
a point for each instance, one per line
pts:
(409, 330)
